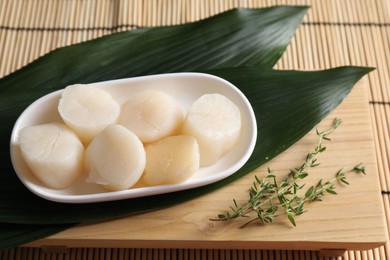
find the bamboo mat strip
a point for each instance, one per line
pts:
(334, 33)
(173, 254)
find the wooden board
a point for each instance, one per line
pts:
(353, 219)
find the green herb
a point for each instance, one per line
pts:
(268, 197)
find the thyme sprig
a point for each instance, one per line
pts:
(267, 197)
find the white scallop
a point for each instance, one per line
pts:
(215, 122)
(87, 110)
(53, 152)
(115, 158)
(172, 159)
(151, 115)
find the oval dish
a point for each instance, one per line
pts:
(185, 88)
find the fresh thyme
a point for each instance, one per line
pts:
(267, 197)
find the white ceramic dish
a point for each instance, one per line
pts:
(186, 88)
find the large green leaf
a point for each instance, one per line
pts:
(248, 42)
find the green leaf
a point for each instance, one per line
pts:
(309, 192)
(291, 219)
(331, 191)
(303, 175)
(322, 149)
(343, 180)
(240, 45)
(360, 168)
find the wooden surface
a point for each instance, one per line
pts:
(338, 222)
(334, 33)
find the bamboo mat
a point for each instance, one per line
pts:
(334, 33)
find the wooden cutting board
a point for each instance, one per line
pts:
(353, 219)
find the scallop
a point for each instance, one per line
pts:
(87, 110)
(151, 115)
(173, 159)
(215, 122)
(53, 152)
(115, 158)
